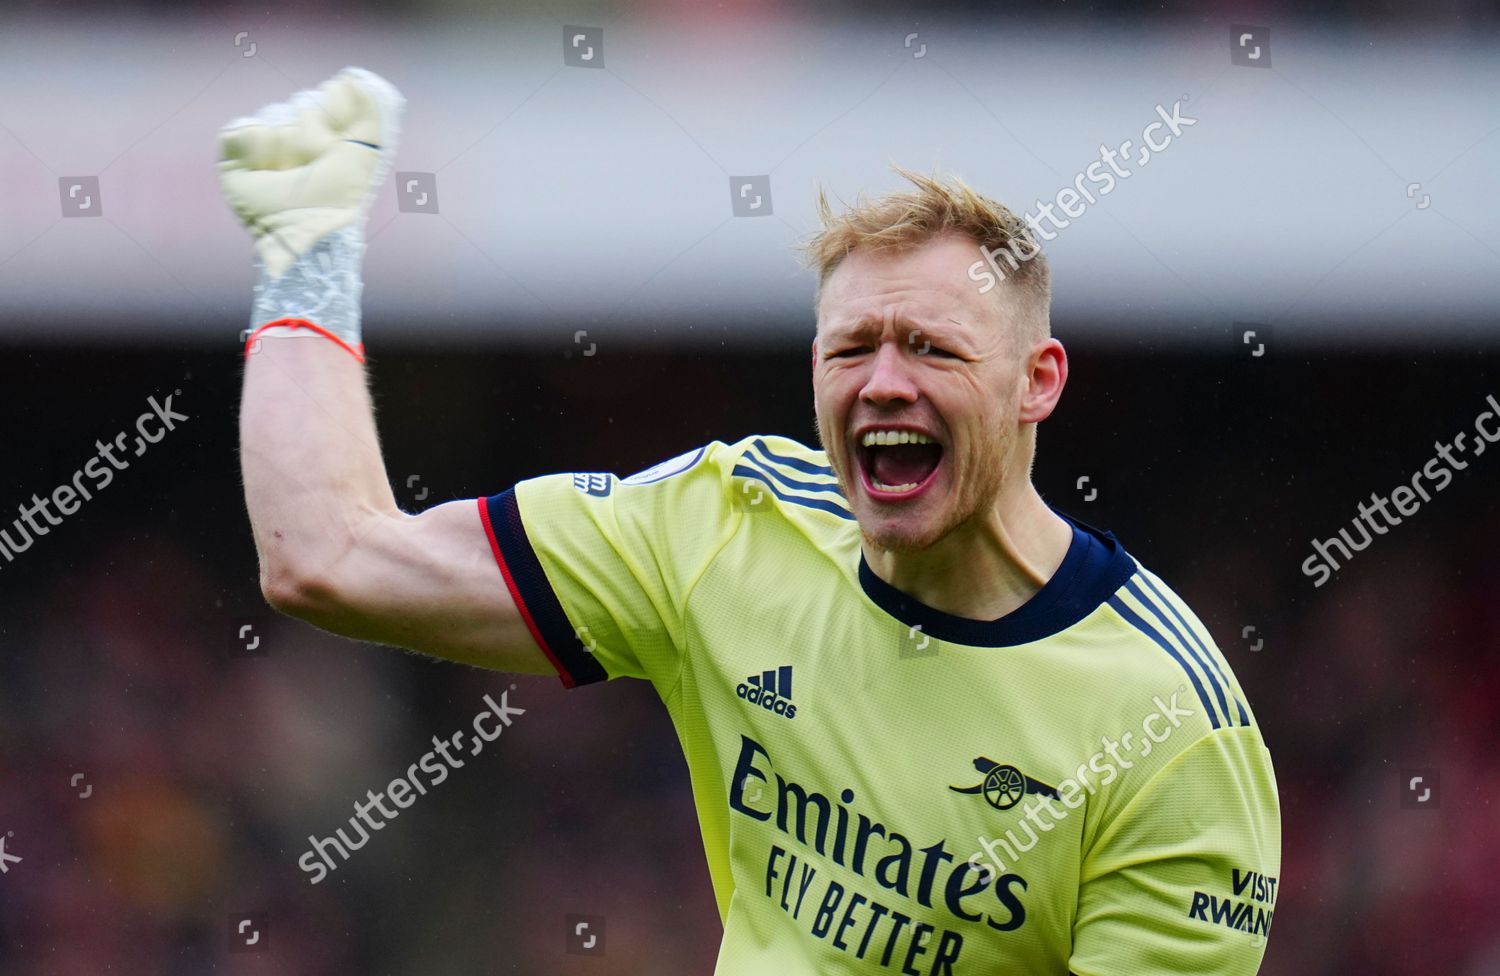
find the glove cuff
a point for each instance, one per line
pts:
(322, 286)
(293, 329)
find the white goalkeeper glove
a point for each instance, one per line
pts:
(301, 175)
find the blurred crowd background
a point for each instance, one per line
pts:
(208, 766)
(168, 743)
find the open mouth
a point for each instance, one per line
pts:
(898, 462)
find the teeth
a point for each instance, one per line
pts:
(895, 489)
(884, 438)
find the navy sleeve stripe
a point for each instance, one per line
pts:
(1135, 590)
(1202, 647)
(1132, 618)
(786, 479)
(745, 471)
(527, 582)
(806, 467)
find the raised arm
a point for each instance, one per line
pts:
(334, 549)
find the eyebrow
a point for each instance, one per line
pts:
(864, 326)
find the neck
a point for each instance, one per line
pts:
(987, 567)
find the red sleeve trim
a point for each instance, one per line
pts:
(515, 593)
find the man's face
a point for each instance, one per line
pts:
(907, 349)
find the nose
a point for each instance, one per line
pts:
(889, 380)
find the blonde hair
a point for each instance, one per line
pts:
(903, 220)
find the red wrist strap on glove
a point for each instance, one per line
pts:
(358, 352)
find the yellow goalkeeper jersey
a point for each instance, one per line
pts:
(1079, 786)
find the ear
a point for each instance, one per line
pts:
(1046, 373)
(815, 354)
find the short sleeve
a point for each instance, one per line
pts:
(1184, 880)
(601, 567)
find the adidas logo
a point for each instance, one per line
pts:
(771, 690)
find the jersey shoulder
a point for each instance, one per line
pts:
(781, 482)
(1173, 645)
(774, 474)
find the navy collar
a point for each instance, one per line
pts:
(1094, 568)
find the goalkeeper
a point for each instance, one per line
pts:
(933, 725)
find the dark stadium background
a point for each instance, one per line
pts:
(205, 767)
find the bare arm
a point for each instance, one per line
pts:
(334, 548)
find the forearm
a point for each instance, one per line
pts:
(334, 549)
(310, 458)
